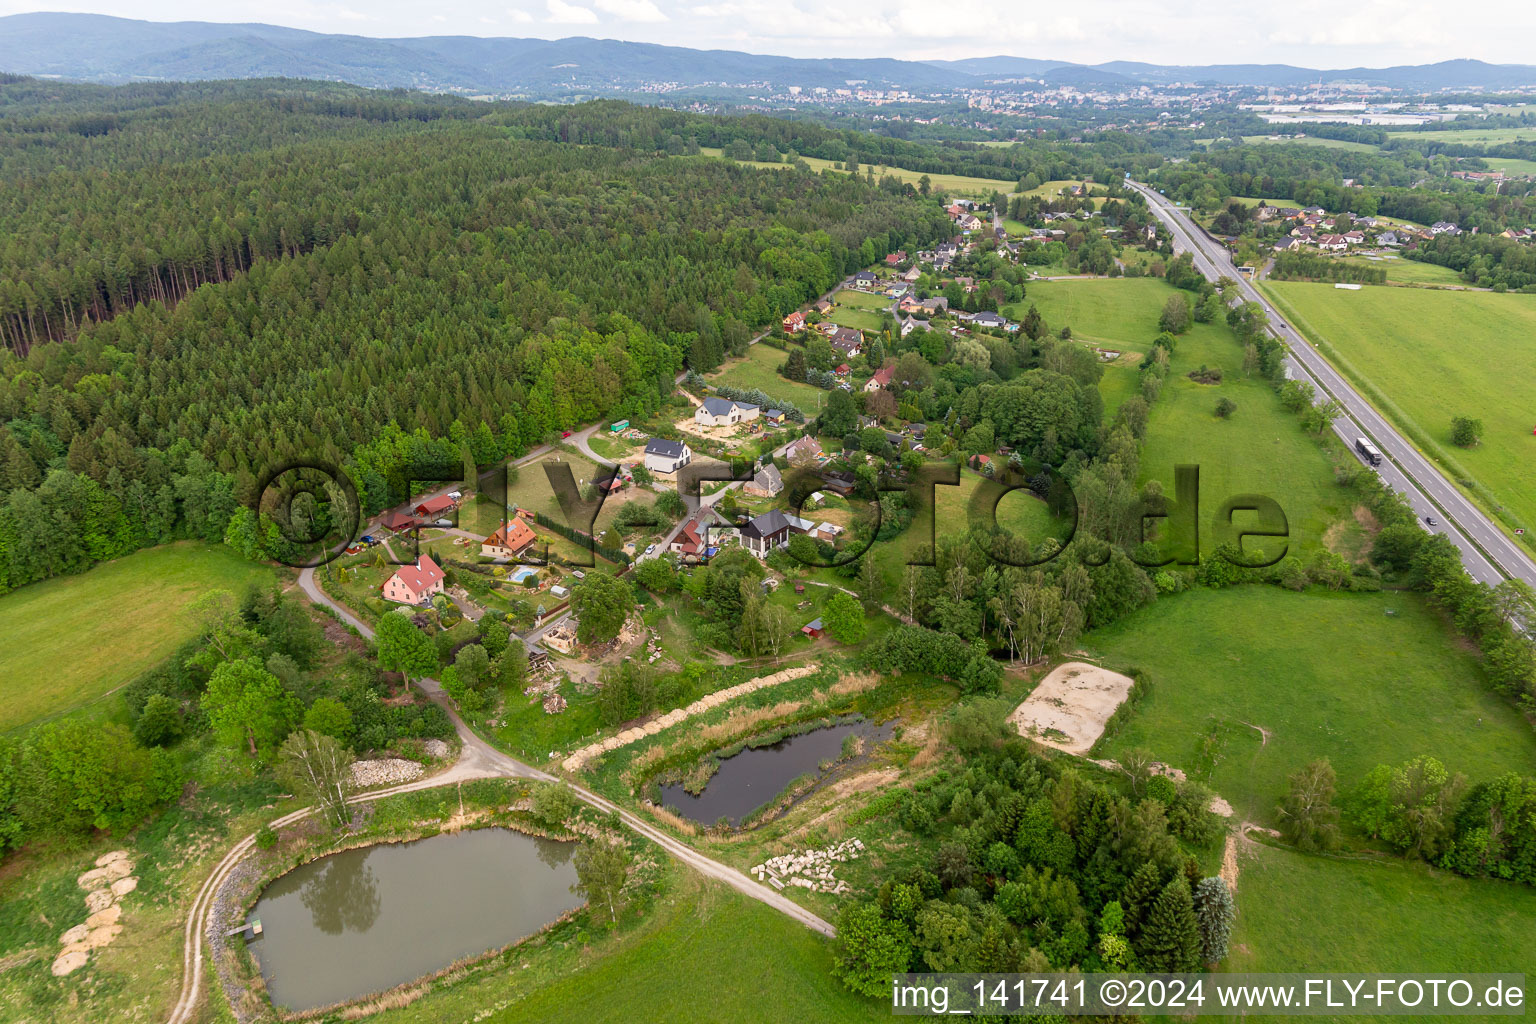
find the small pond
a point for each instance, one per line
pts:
(369, 919)
(750, 779)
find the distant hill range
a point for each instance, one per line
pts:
(98, 48)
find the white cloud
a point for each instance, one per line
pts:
(521, 17)
(562, 13)
(631, 10)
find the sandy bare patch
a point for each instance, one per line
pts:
(1070, 707)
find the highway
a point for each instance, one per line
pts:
(1489, 555)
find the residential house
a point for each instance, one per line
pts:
(766, 482)
(911, 275)
(881, 379)
(842, 370)
(663, 456)
(794, 323)
(969, 222)
(415, 584)
(848, 341)
(508, 541)
(937, 304)
(766, 532)
(398, 522)
(804, 448)
(993, 321)
(1444, 227)
(1354, 237)
(434, 507)
(1332, 243)
(838, 482)
(864, 279)
(692, 540)
(980, 463)
(1285, 244)
(895, 258)
(910, 324)
(908, 304)
(1388, 238)
(723, 412)
(822, 307)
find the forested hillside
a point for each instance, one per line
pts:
(253, 276)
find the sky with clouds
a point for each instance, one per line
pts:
(1313, 33)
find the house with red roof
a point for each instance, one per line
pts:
(881, 379)
(509, 541)
(415, 584)
(794, 323)
(434, 507)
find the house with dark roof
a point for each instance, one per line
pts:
(663, 456)
(864, 279)
(848, 341)
(723, 412)
(766, 482)
(774, 416)
(415, 584)
(766, 532)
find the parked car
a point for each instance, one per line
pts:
(578, 574)
(650, 549)
(564, 434)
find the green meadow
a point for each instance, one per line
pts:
(1425, 356)
(1269, 679)
(73, 639)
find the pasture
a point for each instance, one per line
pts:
(1401, 271)
(1470, 136)
(1511, 165)
(1301, 913)
(1248, 684)
(72, 639)
(1425, 356)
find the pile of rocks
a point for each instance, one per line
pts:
(436, 749)
(810, 869)
(387, 771)
(105, 886)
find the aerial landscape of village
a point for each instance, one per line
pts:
(633, 510)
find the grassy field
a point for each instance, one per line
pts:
(1362, 679)
(72, 639)
(1401, 271)
(860, 300)
(1470, 136)
(948, 184)
(859, 319)
(702, 926)
(1431, 355)
(1117, 312)
(1238, 455)
(1300, 913)
(1511, 165)
(1118, 383)
(759, 368)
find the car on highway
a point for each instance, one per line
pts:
(1430, 521)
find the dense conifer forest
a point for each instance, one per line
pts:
(208, 280)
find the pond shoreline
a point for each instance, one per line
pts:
(239, 973)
